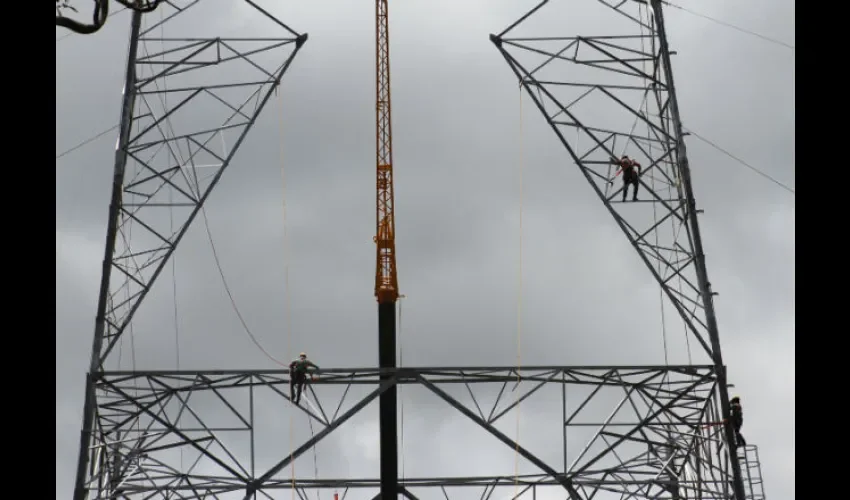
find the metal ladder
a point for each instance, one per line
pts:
(751, 472)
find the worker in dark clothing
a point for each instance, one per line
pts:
(631, 171)
(298, 376)
(737, 416)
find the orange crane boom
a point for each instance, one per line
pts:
(386, 280)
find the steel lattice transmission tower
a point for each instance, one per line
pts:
(617, 431)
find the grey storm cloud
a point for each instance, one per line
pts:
(587, 298)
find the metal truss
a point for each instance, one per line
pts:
(611, 94)
(188, 103)
(643, 431)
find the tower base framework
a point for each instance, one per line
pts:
(644, 429)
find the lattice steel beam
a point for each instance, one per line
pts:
(610, 94)
(644, 430)
(188, 103)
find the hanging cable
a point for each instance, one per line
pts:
(315, 459)
(99, 15)
(178, 155)
(288, 312)
(728, 25)
(230, 294)
(87, 141)
(742, 162)
(286, 303)
(681, 282)
(97, 136)
(125, 232)
(642, 11)
(171, 234)
(519, 300)
(400, 386)
(676, 228)
(132, 329)
(736, 158)
(66, 35)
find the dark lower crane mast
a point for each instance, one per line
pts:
(386, 280)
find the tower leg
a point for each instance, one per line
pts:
(702, 274)
(127, 106)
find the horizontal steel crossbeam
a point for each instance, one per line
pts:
(652, 433)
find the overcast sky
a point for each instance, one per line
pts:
(587, 299)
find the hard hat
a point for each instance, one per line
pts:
(302, 355)
(735, 398)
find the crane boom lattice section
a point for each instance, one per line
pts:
(386, 280)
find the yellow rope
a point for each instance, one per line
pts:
(286, 307)
(519, 299)
(401, 386)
